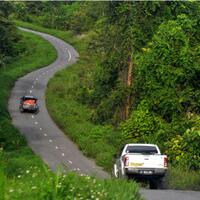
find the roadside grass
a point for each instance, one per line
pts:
(33, 185)
(96, 141)
(182, 179)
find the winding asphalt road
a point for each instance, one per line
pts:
(42, 134)
(47, 140)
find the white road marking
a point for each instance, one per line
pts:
(32, 116)
(56, 147)
(40, 128)
(78, 169)
(36, 79)
(45, 134)
(70, 161)
(32, 86)
(36, 122)
(69, 55)
(30, 91)
(50, 141)
(63, 154)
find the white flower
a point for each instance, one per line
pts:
(34, 187)
(19, 176)
(11, 190)
(27, 171)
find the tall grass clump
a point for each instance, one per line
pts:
(183, 178)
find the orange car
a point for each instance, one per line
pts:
(28, 103)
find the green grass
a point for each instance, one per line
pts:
(32, 184)
(182, 179)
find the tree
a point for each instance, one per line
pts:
(8, 34)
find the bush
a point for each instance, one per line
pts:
(140, 125)
(184, 150)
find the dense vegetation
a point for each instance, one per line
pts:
(22, 174)
(9, 36)
(137, 79)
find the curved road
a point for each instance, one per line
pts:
(47, 140)
(42, 134)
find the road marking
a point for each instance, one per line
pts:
(56, 147)
(36, 122)
(45, 134)
(69, 55)
(32, 116)
(40, 128)
(30, 91)
(36, 79)
(78, 169)
(50, 141)
(63, 154)
(70, 161)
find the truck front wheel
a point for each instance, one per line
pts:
(153, 184)
(162, 183)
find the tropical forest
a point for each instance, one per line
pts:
(136, 80)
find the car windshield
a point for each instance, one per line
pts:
(142, 149)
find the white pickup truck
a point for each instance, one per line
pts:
(142, 162)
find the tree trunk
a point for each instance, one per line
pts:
(126, 76)
(129, 82)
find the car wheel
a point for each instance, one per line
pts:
(36, 111)
(153, 184)
(162, 183)
(21, 110)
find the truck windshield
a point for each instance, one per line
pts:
(142, 149)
